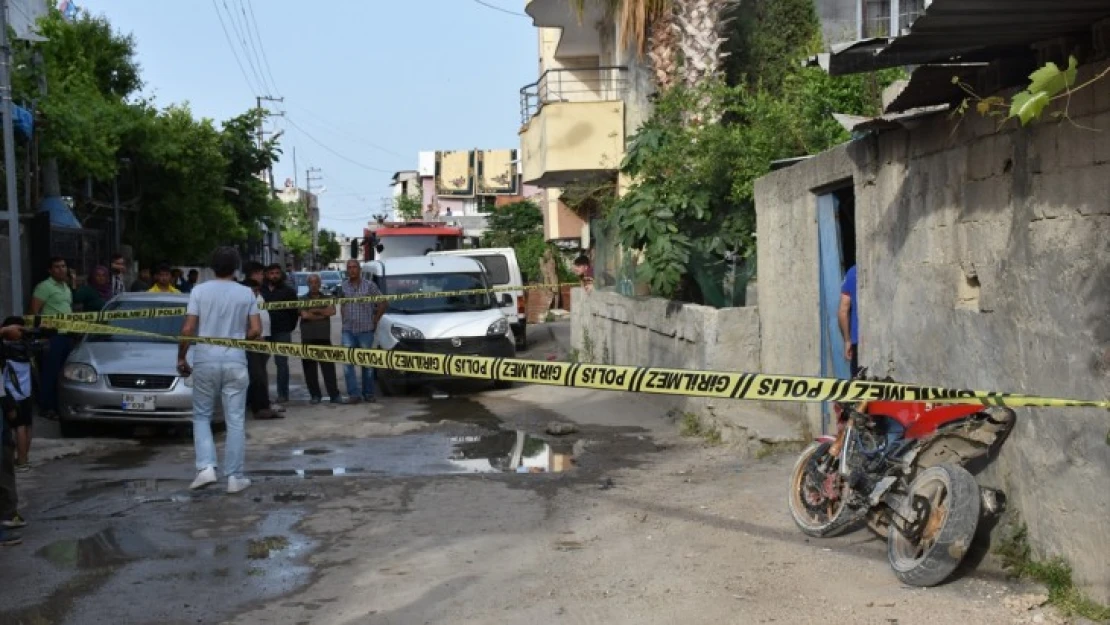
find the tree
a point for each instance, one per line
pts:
(408, 206)
(648, 26)
(518, 225)
(329, 249)
(692, 205)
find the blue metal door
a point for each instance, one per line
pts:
(833, 362)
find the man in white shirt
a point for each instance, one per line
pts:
(220, 308)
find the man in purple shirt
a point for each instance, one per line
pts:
(359, 322)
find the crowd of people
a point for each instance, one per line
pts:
(222, 307)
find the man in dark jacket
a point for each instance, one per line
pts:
(282, 322)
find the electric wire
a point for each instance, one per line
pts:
(235, 54)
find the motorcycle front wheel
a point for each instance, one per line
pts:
(815, 512)
(944, 501)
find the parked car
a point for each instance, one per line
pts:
(331, 283)
(300, 282)
(503, 271)
(456, 324)
(120, 378)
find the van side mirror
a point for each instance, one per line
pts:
(506, 299)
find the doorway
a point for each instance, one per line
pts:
(836, 237)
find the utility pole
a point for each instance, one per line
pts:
(309, 179)
(262, 131)
(12, 213)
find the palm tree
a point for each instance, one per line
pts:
(663, 28)
(648, 27)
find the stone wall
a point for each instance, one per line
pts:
(613, 329)
(984, 262)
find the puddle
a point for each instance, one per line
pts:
(458, 410)
(127, 458)
(105, 549)
(507, 451)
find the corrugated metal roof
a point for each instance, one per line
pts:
(969, 30)
(932, 84)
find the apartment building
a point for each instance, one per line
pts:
(589, 96)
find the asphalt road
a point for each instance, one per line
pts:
(416, 510)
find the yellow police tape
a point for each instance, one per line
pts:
(176, 311)
(654, 380)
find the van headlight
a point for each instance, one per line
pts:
(406, 333)
(79, 372)
(498, 328)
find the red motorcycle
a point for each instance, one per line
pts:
(903, 468)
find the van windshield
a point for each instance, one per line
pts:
(437, 283)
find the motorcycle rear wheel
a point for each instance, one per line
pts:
(836, 517)
(952, 496)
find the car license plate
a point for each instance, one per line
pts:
(138, 402)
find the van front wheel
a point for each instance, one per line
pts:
(521, 334)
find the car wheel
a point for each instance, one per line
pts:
(522, 338)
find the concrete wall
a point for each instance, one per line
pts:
(612, 329)
(984, 262)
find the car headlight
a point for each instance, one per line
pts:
(498, 328)
(79, 372)
(403, 332)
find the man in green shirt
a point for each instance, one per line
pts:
(53, 296)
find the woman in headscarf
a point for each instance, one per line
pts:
(92, 296)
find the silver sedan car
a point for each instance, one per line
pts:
(127, 379)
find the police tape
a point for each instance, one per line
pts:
(651, 380)
(177, 311)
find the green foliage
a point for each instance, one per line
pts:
(693, 200)
(692, 203)
(1017, 556)
(408, 206)
(1046, 85)
(178, 169)
(328, 247)
(519, 225)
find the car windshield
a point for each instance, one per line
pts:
(169, 326)
(330, 276)
(438, 283)
(301, 279)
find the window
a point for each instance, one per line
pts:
(497, 267)
(437, 283)
(169, 327)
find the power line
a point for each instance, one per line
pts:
(329, 149)
(235, 54)
(265, 57)
(255, 46)
(497, 8)
(331, 127)
(245, 47)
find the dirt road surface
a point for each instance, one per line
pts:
(404, 512)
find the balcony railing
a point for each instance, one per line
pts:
(593, 84)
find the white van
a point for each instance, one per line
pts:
(471, 324)
(504, 271)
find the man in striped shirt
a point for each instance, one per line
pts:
(359, 322)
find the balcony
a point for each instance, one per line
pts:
(572, 125)
(576, 37)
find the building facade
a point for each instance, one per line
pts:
(461, 187)
(588, 98)
(290, 194)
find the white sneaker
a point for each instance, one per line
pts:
(237, 484)
(204, 478)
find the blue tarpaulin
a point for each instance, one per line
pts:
(22, 121)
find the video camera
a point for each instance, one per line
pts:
(32, 343)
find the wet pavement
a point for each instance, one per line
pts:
(116, 536)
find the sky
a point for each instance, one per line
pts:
(367, 83)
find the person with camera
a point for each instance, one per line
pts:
(15, 365)
(9, 497)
